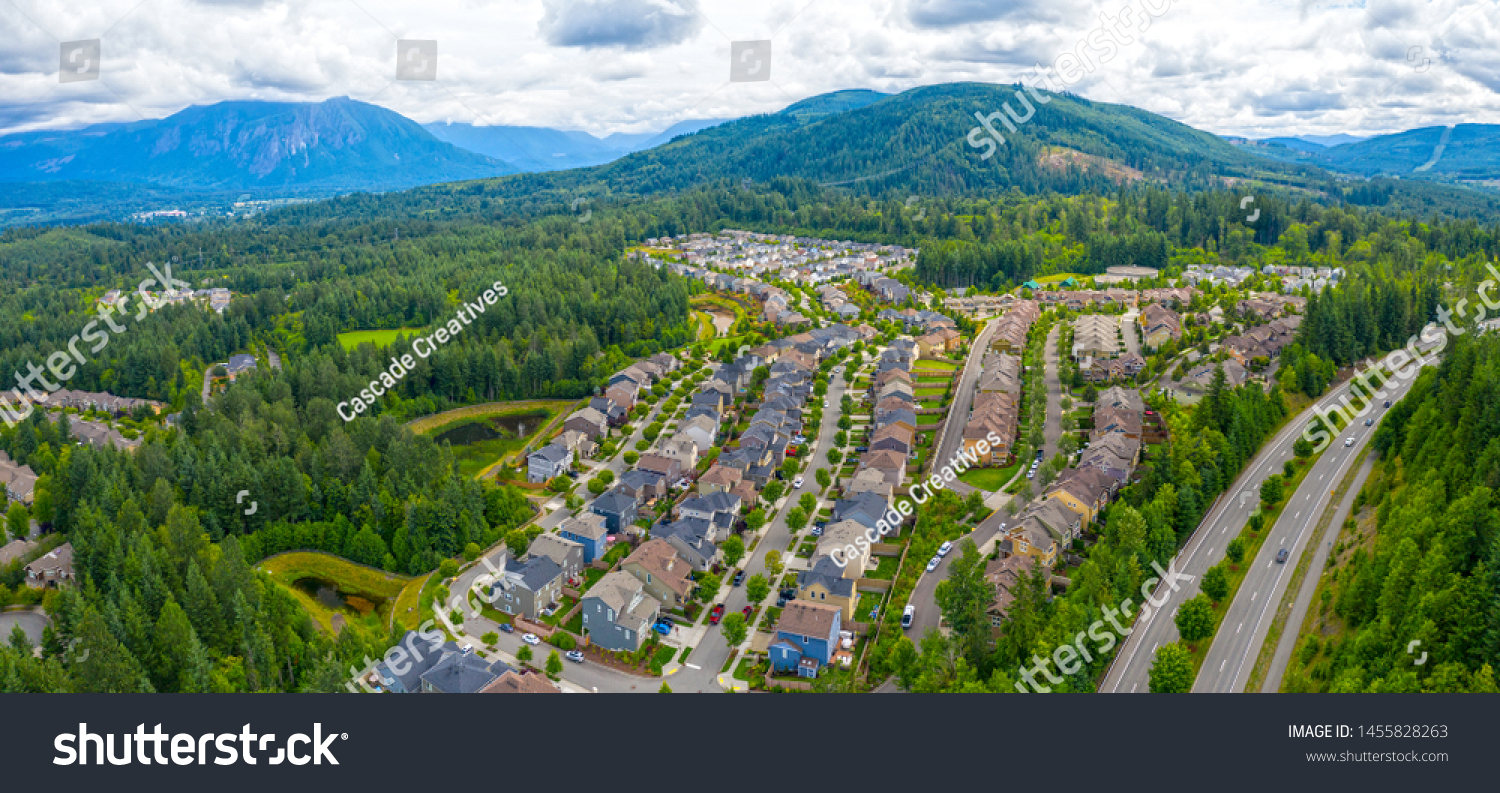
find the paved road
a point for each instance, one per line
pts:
(959, 408)
(1288, 641)
(1128, 329)
(1052, 431)
(1248, 621)
(1130, 671)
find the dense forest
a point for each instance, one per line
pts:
(1428, 570)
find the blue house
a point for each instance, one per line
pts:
(617, 508)
(807, 635)
(589, 531)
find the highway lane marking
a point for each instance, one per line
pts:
(1134, 687)
(1221, 664)
(1154, 646)
(1237, 630)
(1252, 597)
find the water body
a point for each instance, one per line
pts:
(492, 428)
(331, 597)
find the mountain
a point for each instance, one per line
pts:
(1465, 154)
(930, 141)
(336, 145)
(544, 149)
(1330, 140)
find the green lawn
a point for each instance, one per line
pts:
(945, 366)
(886, 570)
(990, 479)
(380, 338)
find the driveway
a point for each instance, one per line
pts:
(32, 622)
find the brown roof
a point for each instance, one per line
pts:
(659, 559)
(513, 682)
(884, 460)
(804, 618)
(722, 475)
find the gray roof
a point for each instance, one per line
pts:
(463, 673)
(553, 453)
(614, 502)
(536, 572)
(588, 525)
(827, 572)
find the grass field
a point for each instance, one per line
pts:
(378, 587)
(408, 608)
(926, 363)
(379, 338)
(1056, 277)
(479, 458)
(990, 479)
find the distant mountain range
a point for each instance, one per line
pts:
(936, 140)
(544, 149)
(1466, 153)
(338, 144)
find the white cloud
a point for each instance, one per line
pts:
(1258, 68)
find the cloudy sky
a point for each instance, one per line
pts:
(1257, 68)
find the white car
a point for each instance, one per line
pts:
(797, 483)
(932, 565)
(945, 548)
(1349, 441)
(530, 638)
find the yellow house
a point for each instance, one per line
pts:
(1073, 503)
(1031, 538)
(830, 584)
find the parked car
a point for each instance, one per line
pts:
(506, 627)
(467, 648)
(817, 531)
(663, 627)
(739, 577)
(945, 548)
(791, 451)
(531, 639)
(790, 593)
(933, 563)
(797, 483)
(574, 655)
(906, 616)
(747, 611)
(781, 601)
(1282, 555)
(861, 449)
(716, 615)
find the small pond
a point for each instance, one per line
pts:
(331, 597)
(493, 428)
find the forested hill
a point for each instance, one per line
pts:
(919, 141)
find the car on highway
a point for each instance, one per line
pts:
(1387, 403)
(574, 655)
(531, 639)
(945, 548)
(1282, 555)
(1349, 441)
(1369, 422)
(933, 563)
(716, 615)
(797, 483)
(907, 615)
(739, 577)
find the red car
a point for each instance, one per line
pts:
(747, 611)
(791, 451)
(716, 615)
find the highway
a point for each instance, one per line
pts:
(1248, 621)
(1244, 628)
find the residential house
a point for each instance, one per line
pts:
(665, 577)
(550, 461)
(807, 636)
(719, 479)
(566, 553)
(617, 612)
(588, 421)
(617, 508)
(827, 582)
(53, 570)
(524, 681)
(591, 531)
(527, 587)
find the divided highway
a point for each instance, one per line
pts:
(1244, 628)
